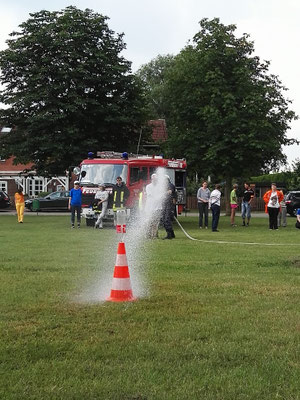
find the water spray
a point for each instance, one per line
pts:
(121, 285)
(121, 223)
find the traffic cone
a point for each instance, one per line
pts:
(121, 285)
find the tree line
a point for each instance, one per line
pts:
(68, 90)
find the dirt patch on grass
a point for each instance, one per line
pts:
(295, 262)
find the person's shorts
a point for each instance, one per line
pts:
(233, 206)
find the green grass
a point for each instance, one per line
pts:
(220, 322)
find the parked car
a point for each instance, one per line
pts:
(53, 201)
(293, 202)
(4, 199)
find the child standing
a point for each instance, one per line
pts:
(20, 205)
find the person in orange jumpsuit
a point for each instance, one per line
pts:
(20, 205)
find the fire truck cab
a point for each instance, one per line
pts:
(135, 172)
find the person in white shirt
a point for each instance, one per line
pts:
(215, 205)
(203, 195)
(272, 199)
(102, 197)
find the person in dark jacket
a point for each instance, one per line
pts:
(120, 195)
(168, 206)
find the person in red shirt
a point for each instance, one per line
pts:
(20, 205)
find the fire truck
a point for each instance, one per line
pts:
(135, 171)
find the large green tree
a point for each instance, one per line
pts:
(67, 90)
(294, 182)
(226, 113)
(153, 76)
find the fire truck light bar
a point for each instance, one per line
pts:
(116, 155)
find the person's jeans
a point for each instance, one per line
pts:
(246, 210)
(76, 209)
(215, 216)
(203, 209)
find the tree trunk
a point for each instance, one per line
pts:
(228, 187)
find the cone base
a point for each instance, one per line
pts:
(121, 295)
(114, 300)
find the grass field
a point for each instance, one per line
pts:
(221, 321)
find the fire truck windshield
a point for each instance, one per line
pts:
(102, 173)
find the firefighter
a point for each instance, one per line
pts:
(168, 206)
(120, 195)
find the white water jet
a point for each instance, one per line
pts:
(135, 241)
(138, 231)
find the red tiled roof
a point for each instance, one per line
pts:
(8, 165)
(159, 130)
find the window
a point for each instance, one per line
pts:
(102, 173)
(3, 186)
(144, 174)
(171, 174)
(152, 170)
(180, 179)
(55, 195)
(35, 187)
(134, 175)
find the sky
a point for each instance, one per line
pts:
(165, 26)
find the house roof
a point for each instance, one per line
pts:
(8, 166)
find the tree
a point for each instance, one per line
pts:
(294, 182)
(291, 176)
(226, 114)
(68, 90)
(153, 76)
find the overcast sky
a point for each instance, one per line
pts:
(165, 26)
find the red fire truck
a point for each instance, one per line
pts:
(135, 171)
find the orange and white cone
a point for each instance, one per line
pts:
(121, 285)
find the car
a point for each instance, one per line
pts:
(293, 202)
(53, 201)
(4, 199)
